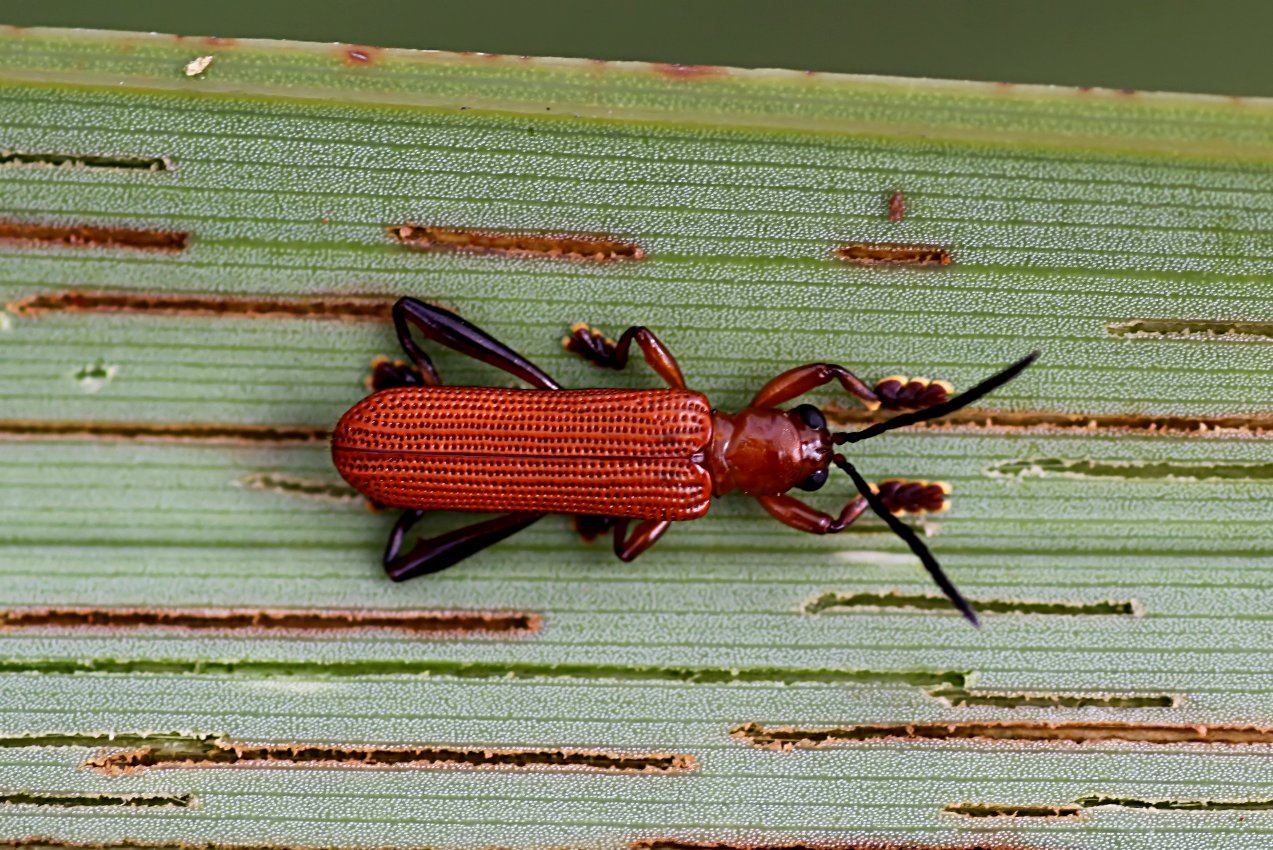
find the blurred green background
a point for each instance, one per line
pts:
(1173, 45)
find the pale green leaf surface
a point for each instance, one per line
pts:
(1067, 212)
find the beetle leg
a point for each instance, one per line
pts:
(590, 526)
(433, 554)
(389, 374)
(897, 392)
(900, 497)
(646, 534)
(796, 382)
(590, 344)
(446, 328)
(789, 510)
(914, 497)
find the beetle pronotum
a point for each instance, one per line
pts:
(657, 456)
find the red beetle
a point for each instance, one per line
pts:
(658, 456)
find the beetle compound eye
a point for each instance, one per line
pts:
(816, 480)
(812, 417)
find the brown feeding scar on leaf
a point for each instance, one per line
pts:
(596, 247)
(991, 810)
(896, 207)
(301, 488)
(358, 54)
(1185, 328)
(87, 236)
(688, 71)
(150, 801)
(272, 620)
(208, 751)
(962, 697)
(1010, 421)
(338, 307)
(893, 253)
(933, 602)
(790, 737)
(162, 432)
(86, 162)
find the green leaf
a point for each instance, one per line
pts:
(197, 259)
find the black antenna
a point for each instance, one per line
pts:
(989, 385)
(903, 531)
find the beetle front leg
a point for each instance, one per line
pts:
(802, 517)
(897, 392)
(796, 382)
(900, 497)
(646, 534)
(894, 392)
(592, 345)
(433, 554)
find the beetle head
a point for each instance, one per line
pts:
(764, 451)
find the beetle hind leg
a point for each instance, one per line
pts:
(434, 554)
(447, 329)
